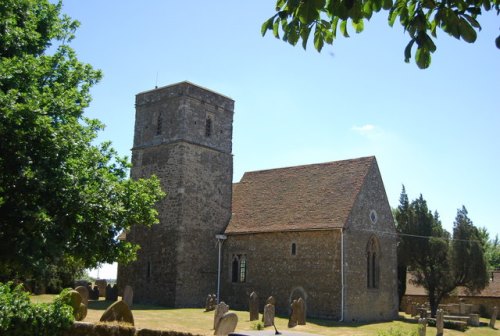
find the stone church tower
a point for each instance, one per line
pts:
(183, 135)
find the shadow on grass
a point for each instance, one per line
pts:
(352, 324)
(103, 305)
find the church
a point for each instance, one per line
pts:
(323, 232)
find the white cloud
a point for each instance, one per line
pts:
(364, 130)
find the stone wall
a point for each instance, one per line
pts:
(312, 273)
(481, 304)
(173, 139)
(90, 329)
(361, 302)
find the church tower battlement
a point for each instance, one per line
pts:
(183, 135)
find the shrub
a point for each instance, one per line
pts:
(20, 317)
(258, 325)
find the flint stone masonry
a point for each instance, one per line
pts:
(176, 264)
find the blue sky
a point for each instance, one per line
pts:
(437, 131)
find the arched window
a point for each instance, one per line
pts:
(239, 268)
(372, 263)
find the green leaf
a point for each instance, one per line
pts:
(387, 4)
(276, 27)
(267, 25)
(367, 9)
(304, 34)
(308, 11)
(358, 26)
(497, 42)
(472, 21)
(467, 33)
(393, 14)
(343, 28)
(408, 50)
(318, 39)
(423, 58)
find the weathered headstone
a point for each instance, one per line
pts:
(493, 317)
(220, 310)
(254, 306)
(74, 299)
(101, 284)
(439, 322)
(81, 283)
(211, 302)
(301, 312)
(113, 293)
(128, 296)
(271, 300)
(293, 320)
(268, 316)
(109, 293)
(227, 324)
(94, 293)
(422, 326)
(119, 312)
(84, 293)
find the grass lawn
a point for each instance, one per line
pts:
(196, 321)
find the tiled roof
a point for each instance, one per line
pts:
(311, 197)
(492, 290)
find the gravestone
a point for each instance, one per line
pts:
(114, 293)
(254, 306)
(210, 302)
(271, 300)
(94, 293)
(293, 320)
(101, 284)
(439, 322)
(268, 316)
(301, 312)
(227, 324)
(109, 293)
(118, 312)
(493, 317)
(84, 293)
(422, 326)
(128, 296)
(220, 310)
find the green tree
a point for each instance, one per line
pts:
(438, 262)
(469, 260)
(492, 249)
(63, 198)
(421, 19)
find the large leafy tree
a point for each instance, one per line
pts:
(421, 19)
(437, 261)
(63, 198)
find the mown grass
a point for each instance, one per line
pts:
(196, 321)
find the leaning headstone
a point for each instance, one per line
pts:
(118, 312)
(210, 302)
(439, 322)
(271, 300)
(254, 306)
(84, 292)
(301, 312)
(293, 319)
(128, 296)
(101, 284)
(268, 317)
(94, 293)
(227, 324)
(422, 326)
(220, 310)
(493, 317)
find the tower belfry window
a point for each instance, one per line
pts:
(208, 127)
